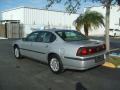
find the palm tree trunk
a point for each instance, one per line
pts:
(86, 30)
(107, 21)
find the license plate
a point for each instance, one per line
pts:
(99, 58)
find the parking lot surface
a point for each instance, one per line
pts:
(28, 74)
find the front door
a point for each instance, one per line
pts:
(26, 46)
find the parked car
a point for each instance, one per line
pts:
(114, 32)
(61, 49)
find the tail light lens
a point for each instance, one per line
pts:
(90, 50)
(82, 51)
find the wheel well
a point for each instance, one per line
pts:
(52, 54)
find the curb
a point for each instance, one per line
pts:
(110, 65)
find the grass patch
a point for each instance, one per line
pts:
(114, 60)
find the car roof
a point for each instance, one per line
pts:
(54, 30)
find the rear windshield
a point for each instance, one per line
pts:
(68, 35)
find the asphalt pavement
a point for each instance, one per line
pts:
(28, 74)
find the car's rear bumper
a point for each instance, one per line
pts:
(83, 64)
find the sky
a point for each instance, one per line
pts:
(7, 4)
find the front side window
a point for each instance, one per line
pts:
(32, 37)
(68, 35)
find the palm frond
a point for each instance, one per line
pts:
(90, 19)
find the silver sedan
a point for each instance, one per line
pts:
(61, 49)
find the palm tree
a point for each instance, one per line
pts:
(89, 19)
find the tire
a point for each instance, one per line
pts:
(17, 52)
(55, 64)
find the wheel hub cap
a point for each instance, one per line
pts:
(16, 52)
(54, 64)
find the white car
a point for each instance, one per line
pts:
(114, 32)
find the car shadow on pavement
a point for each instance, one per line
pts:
(82, 71)
(79, 86)
(35, 60)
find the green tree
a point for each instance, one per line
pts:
(89, 19)
(73, 5)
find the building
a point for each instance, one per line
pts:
(21, 21)
(114, 19)
(35, 18)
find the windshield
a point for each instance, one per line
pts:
(68, 35)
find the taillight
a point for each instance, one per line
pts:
(82, 51)
(90, 50)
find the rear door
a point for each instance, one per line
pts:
(42, 45)
(47, 43)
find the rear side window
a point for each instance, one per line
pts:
(52, 38)
(46, 37)
(40, 37)
(49, 37)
